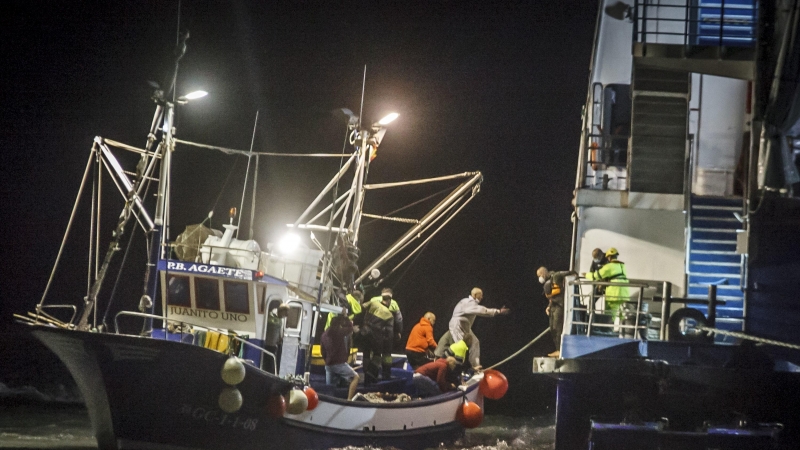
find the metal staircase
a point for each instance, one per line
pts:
(658, 130)
(712, 257)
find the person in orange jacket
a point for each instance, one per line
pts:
(420, 342)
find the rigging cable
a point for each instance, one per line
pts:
(225, 184)
(389, 214)
(541, 335)
(69, 227)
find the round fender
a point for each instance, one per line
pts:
(233, 371)
(276, 406)
(313, 398)
(493, 385)
(298, 402)
(469, 414)
(230, 399)
(682, 323)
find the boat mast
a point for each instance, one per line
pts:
(361, 175)
(161, 219)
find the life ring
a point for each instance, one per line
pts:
(677, 326)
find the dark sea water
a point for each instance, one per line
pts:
(33, 425)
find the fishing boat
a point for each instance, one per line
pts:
(688, 168)
(206, 362)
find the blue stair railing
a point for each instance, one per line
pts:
(712, 258)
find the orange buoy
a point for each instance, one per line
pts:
(276, 406)
(313, 398)
(493, 385)
(469, 414)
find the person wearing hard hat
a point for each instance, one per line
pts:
(554, 292)
(613, 272)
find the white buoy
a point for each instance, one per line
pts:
(298, 402)
(230, 399)
(233, 371)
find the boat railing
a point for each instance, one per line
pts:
(586, 311)
(715, 23)
(164, 320)
(264, 351)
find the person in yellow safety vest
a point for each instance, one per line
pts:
(614, 272)
(383, 325)
(354, 300)
(459, 349)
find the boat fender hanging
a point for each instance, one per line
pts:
(681, 328)
(313, 398)
(230, 399)
(469, 414)
(493, 385)
(233, 371)
(298, 402)
(276, 406)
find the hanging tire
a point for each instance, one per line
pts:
(681, 328)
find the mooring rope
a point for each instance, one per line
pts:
(541, 335)
(740, 335)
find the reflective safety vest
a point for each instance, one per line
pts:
(613, 271)
(459, 350)
(355, 308)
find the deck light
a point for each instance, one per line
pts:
(389, 118)
(288, 243)
(195, 95)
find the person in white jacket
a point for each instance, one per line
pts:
(460, 325)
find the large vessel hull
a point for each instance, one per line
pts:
(150, 393)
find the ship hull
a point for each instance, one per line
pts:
(676, 395)
(149, 393)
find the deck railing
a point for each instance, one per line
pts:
(728, 23)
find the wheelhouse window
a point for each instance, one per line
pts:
(206, 293)
(294, 316)
(236, 298)
(178, 293)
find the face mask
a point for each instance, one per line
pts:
(597, 260)
(541, 280)
(386, 298)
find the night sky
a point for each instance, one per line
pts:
(490, 86)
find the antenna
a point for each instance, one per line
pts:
(363, 86)
(246, 176)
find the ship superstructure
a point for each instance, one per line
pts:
(688, 167)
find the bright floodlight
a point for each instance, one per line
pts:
(195, 95)
(388, 119)
(288, 243)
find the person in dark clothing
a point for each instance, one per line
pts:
(554, 292)
(335, 352)
(599, 260)
(435, 377)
